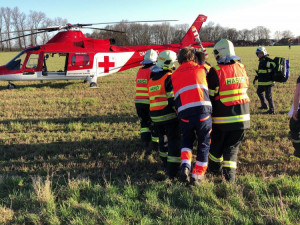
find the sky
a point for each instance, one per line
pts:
(276, 15)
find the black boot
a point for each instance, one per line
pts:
(184, 174)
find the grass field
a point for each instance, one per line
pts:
(71, 155)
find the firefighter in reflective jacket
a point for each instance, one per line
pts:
(142, 100)
(161, 112)
(194, 113)
(228, 83)
(265, 83)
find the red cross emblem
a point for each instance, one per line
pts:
(106, 64)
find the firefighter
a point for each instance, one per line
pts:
(162, 113)
(265, 83)
(228, 83)
(194, 113)
(142, 100)
(295, 120)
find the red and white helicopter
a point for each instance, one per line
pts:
(69, 55)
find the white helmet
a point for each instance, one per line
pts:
(261, 49)
(223, 48)
(150, 57)
(166, 59)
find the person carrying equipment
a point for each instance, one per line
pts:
(142, 103)
(162, 113)
(228, 83)
(264, 77)
(194, 113)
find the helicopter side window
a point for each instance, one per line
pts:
(55, 63)
(17, 62)
(32, 62)
(80, 60)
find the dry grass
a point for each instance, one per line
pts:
(88, 140)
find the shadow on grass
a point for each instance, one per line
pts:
(85, 118)
(114, 159)
(54, 85)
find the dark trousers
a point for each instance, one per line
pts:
(197, 126)
(171, 158)
(295, 135)
(268, 95)
(148, 131)
(223, 152)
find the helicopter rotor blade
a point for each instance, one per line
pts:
(142, 21)
(22, 36)
(94, 28)
(44, 29)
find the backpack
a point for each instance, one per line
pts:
(281, 72)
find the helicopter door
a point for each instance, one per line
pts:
(31, 64)
(55, 64)
(80, 64)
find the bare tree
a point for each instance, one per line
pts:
(207, 31)
(22, 24)
(16, 16)
(245, 35)
(287, 34)
(179, 32)
(253, 34)
(1, 29)
(35, 19)
(46, 36)
(6, 13)
(278, 35)
(262, 32)
(232, 34)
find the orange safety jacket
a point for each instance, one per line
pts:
(232, 91)
(234, 83)
(142, 78)
(190, 90)
(160, 111)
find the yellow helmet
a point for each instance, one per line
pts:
(150, 57)
(166, 59)
(223, 48)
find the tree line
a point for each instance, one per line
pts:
(13, 23)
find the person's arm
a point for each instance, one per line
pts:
(213, 83)
(296, 102)
(169, 91)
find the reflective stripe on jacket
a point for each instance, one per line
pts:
(229, 96)
(190, 89)
(142, 78)
(265, 67)
(234, 82)
(158, 97)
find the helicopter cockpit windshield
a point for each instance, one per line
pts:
(17, 62)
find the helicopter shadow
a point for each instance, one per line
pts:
(53, 85)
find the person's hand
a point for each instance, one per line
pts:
(295, 115)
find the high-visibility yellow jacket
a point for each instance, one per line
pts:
(160, 110)
(142, 78)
